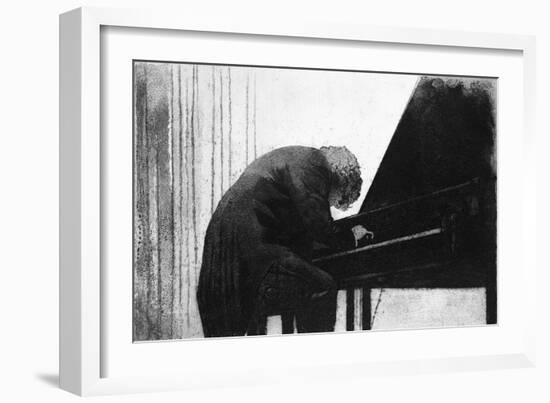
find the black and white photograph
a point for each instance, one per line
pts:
(298, 201)
(271, 200)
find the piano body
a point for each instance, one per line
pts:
(431, 205)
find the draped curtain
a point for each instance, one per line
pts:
(194, 133)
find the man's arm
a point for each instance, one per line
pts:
(309, 189)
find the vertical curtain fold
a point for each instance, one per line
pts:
(191, 143)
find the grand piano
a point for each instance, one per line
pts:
(431, 205)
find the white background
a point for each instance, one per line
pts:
(29, 289)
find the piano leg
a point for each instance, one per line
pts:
(354, 312)
(258, 326)
(366, 311)
(350, 309)
(491, 291)
(491, 303)
(358, 309)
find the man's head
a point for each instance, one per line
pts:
(346, 186)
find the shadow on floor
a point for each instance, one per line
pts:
(49, 379)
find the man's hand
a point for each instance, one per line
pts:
(360, 232)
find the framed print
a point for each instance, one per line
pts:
(238, 198)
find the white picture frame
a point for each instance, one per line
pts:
(81, 296)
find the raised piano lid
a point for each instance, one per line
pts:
(445, 137)
(443, 147)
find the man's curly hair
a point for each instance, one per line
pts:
(348, 174)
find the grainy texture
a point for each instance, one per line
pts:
(197, 127)
(187, 138)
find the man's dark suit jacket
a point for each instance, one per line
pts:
(271, 215)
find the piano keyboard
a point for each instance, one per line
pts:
(411, 237)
